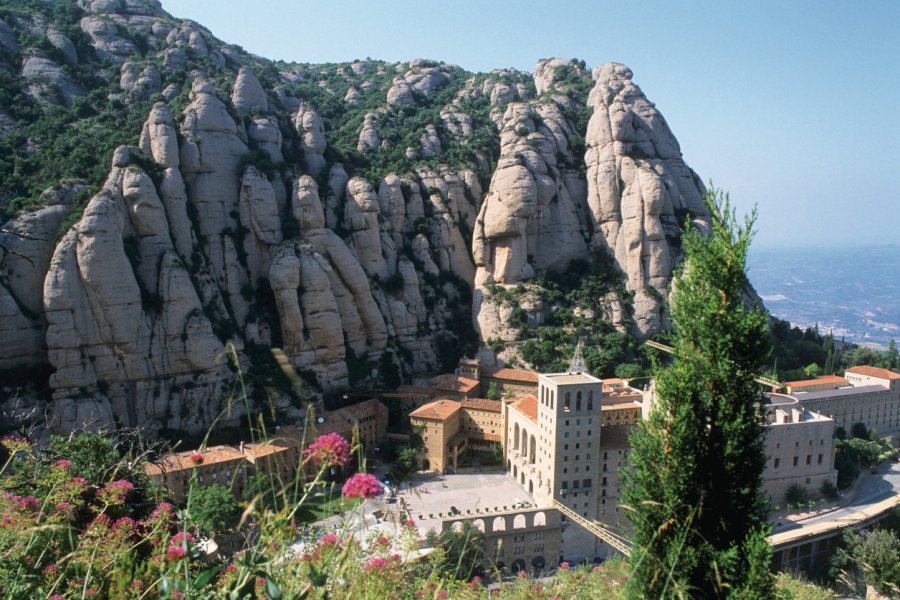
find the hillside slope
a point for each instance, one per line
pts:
(167, 193)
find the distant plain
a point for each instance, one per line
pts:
(852, 292)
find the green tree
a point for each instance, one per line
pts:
(492, 393)
(406, 459)
(693, 490)
(212, 508)
(875, 555)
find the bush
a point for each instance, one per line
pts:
(829, 490)
(796, 495)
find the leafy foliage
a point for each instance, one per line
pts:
(693, 490)
(212, 508)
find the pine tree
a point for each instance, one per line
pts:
(693, 490)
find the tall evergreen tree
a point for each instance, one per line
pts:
(693, 490)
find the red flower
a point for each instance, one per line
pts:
(137, 583)
(182, 536)
(331, 450)
(62, 464)
(197, 458)
(175, 553)
(361, 485)
(329, 539)
(443, 594)
(564, 566)
(115, 492)
(377, 562)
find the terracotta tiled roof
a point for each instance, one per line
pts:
(454, 383)
(437, 410)
(257, 451)
(528, 406)
(365, 408)
(829, 379)
(333, 423)
(520, 375)
(182, 461)
(482, 404)
(873, 372)
(491, 437)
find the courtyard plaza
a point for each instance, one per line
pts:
(430, 498)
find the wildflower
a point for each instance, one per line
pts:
(420, 593)
(476, 581)
(361, 485)
(197, 458)
(330, 450)
(90, 592)
(28, 502)
(329, 539)
(564, 566)
(409, 523)
(377, 562)
(229, 569)
(63, 507)
(521, 573)
(49, 569)
(115, 492)
(63, 464)
(15, 443)
(556, 597)
(175, 553)
(443, 594)
(596, 569)
(101, 521)
(56, 597)
(382, 541)
(182, 536)
(137, 584)
(537, 587)
(176, 595)
(429, 585)
(79, 482)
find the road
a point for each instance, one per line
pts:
(876, 493)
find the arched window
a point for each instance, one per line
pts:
(578, 400)
(516, 438)
(591, 400)
(568, 404)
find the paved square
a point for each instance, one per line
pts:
(430, 497)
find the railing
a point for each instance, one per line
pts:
(595, 527)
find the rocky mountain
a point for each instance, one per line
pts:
(171, 201)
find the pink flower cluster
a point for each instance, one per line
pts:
(197, 458)
(63, 464)
(361, 485)
(331, 450)
(380, 563)
(115, 492)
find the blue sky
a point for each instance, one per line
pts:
(792, 106)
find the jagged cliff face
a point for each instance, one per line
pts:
(356, 216)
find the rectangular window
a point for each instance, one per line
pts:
(796, 460)
(776, 463)
(820, 459)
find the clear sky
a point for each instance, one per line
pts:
(790, 105)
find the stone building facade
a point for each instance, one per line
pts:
(872, 398)
(799, 449)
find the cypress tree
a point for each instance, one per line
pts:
(693, 492)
